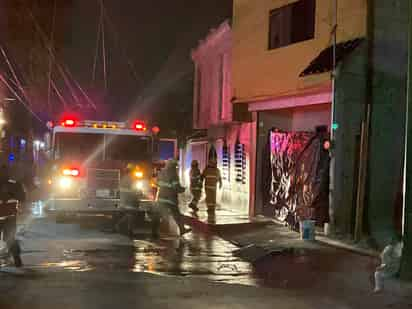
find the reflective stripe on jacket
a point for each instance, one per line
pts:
(169, 188)
(212, 177)
(195, 180)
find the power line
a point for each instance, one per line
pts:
(13, 72)
(103, 46)
(58, 93)
(5, 82)
(49, 48)
(96, 55)
(117, 39)
(50, 58)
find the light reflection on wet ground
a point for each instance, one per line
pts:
(195, 255)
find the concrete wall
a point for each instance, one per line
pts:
(259, 72)
(390, 62)
(350, 98)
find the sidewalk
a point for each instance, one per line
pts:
(222, 220)
(226, 220)
(279, 255)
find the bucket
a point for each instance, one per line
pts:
(307, 229)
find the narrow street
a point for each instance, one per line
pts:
(206, 154)
(76, 265)
(84, 246)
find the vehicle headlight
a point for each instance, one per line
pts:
(65, 183)
(139, 174)
(139, 185)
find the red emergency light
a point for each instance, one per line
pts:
(139, 126)
(155, 130)
(71, 172)
(69, 122)
(327, 145)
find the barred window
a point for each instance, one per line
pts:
(240, 163)
(226, 162)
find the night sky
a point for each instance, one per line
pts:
(156, 36)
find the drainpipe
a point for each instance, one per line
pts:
(332, 219)
(406, 266)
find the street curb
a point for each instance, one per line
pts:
(217, 229)
(339, 244)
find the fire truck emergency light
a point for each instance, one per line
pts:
(139, 126)
(68, 123)
(71, 172)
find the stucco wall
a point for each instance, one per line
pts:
(308, 117)
(259, 72)
(213, 57)
(235, 195)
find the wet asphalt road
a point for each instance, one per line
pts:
(76, 247)
(81, 266)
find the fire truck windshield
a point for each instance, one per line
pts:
(80, 146)
(127, 147)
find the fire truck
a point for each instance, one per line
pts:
(100, 166)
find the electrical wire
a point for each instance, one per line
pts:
(50, 58)
(118, 41)
(58, 93)
(103, 46)
(49, 48)
(13, 72)
(5, 82)
(89, 100)
(96, 55)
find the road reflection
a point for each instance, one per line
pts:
(69, 247)
(196, 255)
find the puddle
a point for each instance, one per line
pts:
(68, 247)
(194, 256)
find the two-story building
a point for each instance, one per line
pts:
(227, 139)
(282, 64)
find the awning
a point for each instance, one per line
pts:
(324, 61)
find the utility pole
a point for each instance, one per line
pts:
(406, 266)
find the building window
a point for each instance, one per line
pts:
(226, 162)
(240, 163)
(292, 23)
(220, 81)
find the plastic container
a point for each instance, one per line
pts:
(307, 229)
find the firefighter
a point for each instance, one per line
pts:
(167, 198)
(11, 192)
(211, 177)
(195, 185)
